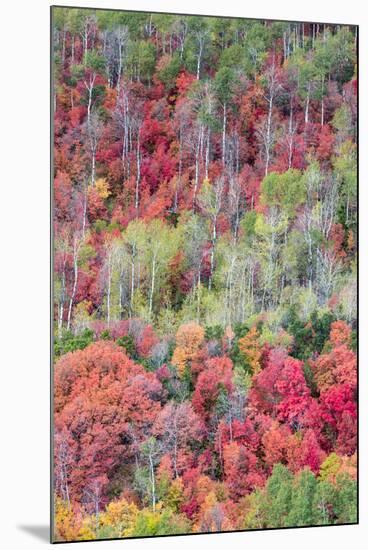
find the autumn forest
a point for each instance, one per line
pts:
(205, 273)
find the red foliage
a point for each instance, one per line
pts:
(62, 195)
(102, 398)
(326, 143)
(340, 365)
(217, 375)
(240, 469)
(311, 454)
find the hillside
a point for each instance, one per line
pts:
(205, 271)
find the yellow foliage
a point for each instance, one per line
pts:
(335, 465)
(67, 523)
(204, 486)
(188, 341)
(121, 516)
(250, 348)
(179, 359)
(88, 529)
(102, 188)
(190, 336)
(175, 495)
(329, 467)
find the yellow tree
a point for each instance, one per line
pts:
(67, 522)
(188, 341)
(120, 515)
(250, 349)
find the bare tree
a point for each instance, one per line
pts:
(93, 495)
(210, 201)
(63, 463)
(266, 128)
(76, 246)
(88, 27)
(93, 130)
(201, 36)
(151, 452)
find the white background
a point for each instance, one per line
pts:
(24, 272)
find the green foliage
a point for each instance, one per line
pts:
(297, 500)
(285, 191)
(169, 72)
(141, 60)
(150, 524)
(70, 342)
(279, 496)
(308, 336)
(346, 499)
(224, 81)
(94, 61)
(127, 342)
(215, 332)
(236, 356)
(301, 503)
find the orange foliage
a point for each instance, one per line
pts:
(188, 341)
(251, 349)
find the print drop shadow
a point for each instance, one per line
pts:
(41, 532)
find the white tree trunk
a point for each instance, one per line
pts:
(153, 274)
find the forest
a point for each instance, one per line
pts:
(204, 274)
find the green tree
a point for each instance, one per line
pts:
(279, 495)
(302, 496)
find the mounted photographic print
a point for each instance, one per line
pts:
(204, 213)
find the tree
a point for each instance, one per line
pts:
(266, 130)
(188, 341)
(240, 470)
(94, 64)
(338, 366)
(210, 382)
(250, 349)
(120, 515)
(224, 81)
(302, 495)
(274, 442)
(67, 521)
(279, 491)
(178, 427)
(85, 405)
(210, 200)
(160, 245)
(150, 451)
(269, 229)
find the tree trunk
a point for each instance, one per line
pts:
(196, 181)
(224, 135)
(75, 282)
(63, 48)
(153, 482)
(109, 276)
(306, 115)
(138, 177)
(207, 152)
(132, 282)
(268, 134)
(199, 58)
(62, 301)
(212, 254)
(153, 273)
